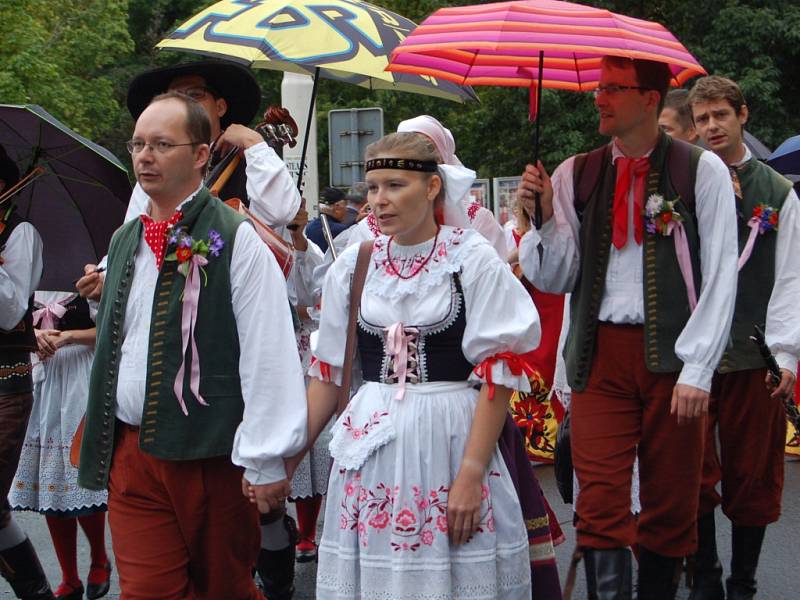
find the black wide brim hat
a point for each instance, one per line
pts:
(9, 172)
(232, 82)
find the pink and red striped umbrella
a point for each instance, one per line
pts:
(499, 44)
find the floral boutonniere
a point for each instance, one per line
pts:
(660, 215)
(188, 251)
(766, 217)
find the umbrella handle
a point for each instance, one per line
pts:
(537, 204)
(308, 130)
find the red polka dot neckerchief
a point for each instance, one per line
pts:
(421, 265)
(155, 234)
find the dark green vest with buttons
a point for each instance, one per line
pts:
(666, 303)
(760, 185)
(165, 431)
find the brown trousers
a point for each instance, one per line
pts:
(15, 409)
(752, 434)
(180, 529)
(624, 410)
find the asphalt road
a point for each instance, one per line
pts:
(778, 561)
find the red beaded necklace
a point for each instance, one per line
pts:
(421, 265)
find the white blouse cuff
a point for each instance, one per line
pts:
(696, 375)
(506, 369)
(786, 361)
(325, 372)
(269, 471)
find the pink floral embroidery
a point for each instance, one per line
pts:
(408, 264)
(358, 432)
(484, 492)
(472, 210)
(380, 521)
(427, 537)
(372, 223)
(441, 523)
(490, 524)
(405, 519)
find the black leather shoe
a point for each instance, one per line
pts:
(98, 590)
(21, 568)
(707, 573)
(608, 573)
(658, 575)
(744, 562)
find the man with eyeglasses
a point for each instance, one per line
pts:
(195, 359)
(650, 309)
(231, 97)
(746, 404)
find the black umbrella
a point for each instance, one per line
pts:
(77, 202)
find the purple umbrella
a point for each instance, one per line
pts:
(79, 200)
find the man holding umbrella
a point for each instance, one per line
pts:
(752, 422)
(649, 320)
(20, 271)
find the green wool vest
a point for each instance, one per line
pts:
(165, 431)
(760, 185)
(665, 298)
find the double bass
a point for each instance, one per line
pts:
(278, 128)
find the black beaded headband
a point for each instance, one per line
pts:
(406, 164)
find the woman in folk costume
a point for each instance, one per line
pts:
(536, 413)
(46, 481)
(420, 502)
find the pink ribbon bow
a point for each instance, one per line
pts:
(676, 230)
(191, 296)
(397, 346)
(47, 317)
(754, 224)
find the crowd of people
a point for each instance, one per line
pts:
(411, 364)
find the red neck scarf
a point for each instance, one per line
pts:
(155, 234)
(630, 172)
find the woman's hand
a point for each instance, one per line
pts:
(464, 503)
(47, 341)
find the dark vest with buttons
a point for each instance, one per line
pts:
(760, 185)
(166, 432)
(17, 343)
(435, 354)
(666, 304)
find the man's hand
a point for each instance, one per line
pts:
(239, 136)
(269, 496)
(536, 179)
(90, 286)
(783, 390)
(688, 403)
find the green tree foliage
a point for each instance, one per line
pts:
(57, 54)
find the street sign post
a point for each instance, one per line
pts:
(350, 131)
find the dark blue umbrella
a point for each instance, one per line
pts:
(79, 200)
(786, 158)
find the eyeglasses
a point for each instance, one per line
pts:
(162, 147)
(612, 90)
(197, 93)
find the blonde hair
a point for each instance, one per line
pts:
(409, 145)
(522, 219)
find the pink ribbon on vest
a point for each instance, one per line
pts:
(754, 224)
(191, 296)
(49, 315)
(675, 229)
(397, 348)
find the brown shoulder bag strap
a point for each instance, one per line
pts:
(356, 288)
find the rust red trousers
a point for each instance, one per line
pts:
(752, 434)
(180, 529)
(624, 410)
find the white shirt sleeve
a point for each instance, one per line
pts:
(488, 227)
(19, 274)
(703, 339)
(783, 315)
(271, 190)
(500, 314)
(550, 257)
(274, 423)
(303, 274)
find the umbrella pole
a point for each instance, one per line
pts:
(537, 208)
(308, 130)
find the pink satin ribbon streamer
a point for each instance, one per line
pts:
(191, 296)
(754, 225)
(49, 315)
(684, 260)
(397, 347)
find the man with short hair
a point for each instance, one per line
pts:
(357, 206)
(676, 117)
(171, 432)
(20, 271)
(648, 319)
(333, 204)
(746, 404)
